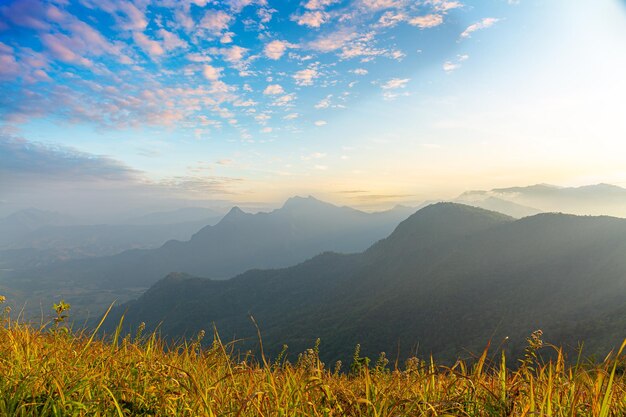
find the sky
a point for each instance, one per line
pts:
(110, 106)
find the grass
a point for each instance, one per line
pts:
(52, 371)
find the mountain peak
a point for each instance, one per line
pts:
(234, 213)
(442, 220)
(302, 202)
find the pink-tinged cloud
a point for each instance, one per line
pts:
(427, 21)
(276, 49)
(9, 68)
(312, 19)
(306, 76)
(319, 4)
(333, 41)
(26, 13)
(171, 41)
(63, 48)
(211, 73)
(216, 21)
(150, 46)
(484, 23)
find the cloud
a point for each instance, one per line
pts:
(382, 4)
(26, 13)
(171, 41)
(390, 19)
(305, 77)
(276, 49)
(485, 23)
(395, 83)
(9, 68)
(324, 103)
(150, 46)
(444, 5)
(284, 100)
(450, 66)
(273, 89)
(359, 71)
(332, 41)
(427, 21)
(21, 159)
(320, 123)
(319, 4)
(215, 21)
(312, 19)
(211, 73)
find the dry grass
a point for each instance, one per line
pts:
(56, 372)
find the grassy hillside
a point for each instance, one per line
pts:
(54, 372)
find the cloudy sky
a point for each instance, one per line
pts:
(114, 104)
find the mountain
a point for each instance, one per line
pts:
(50, 244)
(487, 202)
(447, 280)
(599, 199)
(25, 221)
(300, 229)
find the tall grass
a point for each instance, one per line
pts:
(55, 372)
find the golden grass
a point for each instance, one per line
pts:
(59, 373)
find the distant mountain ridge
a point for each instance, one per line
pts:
(300, 229)
(447, 279)
(598, 199)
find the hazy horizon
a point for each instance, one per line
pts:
(121, 106)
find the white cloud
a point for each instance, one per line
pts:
(321, 123)
(427, 21)
(284, 100)
(306, 76)
(359, 71)
(319, 4)
(324, 103)
(291, 116)
(171, 40)
(216, 21)
(276, 49)
(233, 54)
(391, 19)
(333, 41)
(262, 118)
(273, 89)
(444, 5)
(395, 83)
(381, 4)
(211, 73)
(312, 19)
(266, 130)
(485, 23)
(450, 66)
(150, 46)
(198, 57)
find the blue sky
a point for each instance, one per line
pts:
(362, 102)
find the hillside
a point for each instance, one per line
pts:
(448, 279)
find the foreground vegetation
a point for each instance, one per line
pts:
(53, 371)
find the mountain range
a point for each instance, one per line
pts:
(597, 199)
(447, 280)
(300, 229)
